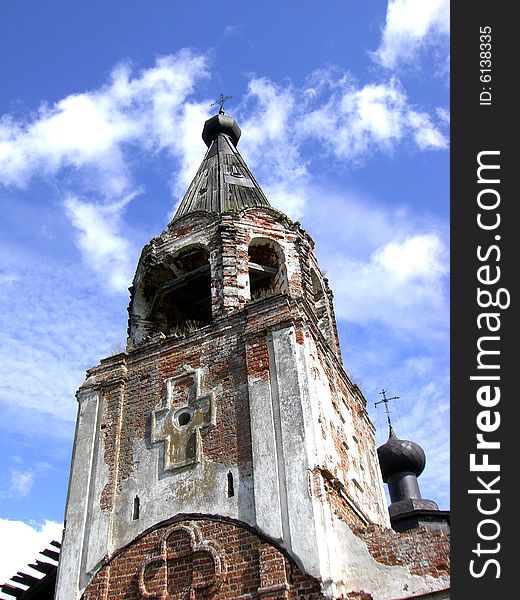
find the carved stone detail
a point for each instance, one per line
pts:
(179, 419)
(186, 565)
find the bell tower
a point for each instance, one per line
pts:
(226, 453)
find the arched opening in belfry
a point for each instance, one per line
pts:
(320, 305)
(180, 291)
(267, 273)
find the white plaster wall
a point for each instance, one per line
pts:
(370, 499)
(284, 452)
(199, 488)
(84, 535)
(266, 480)
(301, 537)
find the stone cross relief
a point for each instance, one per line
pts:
(181, 416)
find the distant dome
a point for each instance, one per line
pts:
(398, 455)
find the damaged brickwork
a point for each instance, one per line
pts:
(423, 551)
(230, 241)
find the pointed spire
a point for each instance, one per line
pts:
(223, 182)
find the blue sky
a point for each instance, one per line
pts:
(344, 110)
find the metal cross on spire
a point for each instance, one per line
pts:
(220, 101)
(386, 401)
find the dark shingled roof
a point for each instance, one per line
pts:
(397, 456)
(223, 182)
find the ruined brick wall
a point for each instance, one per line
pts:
(227, 238)
(132, 389)
(201, 559)
(226, 352)
(423, 551)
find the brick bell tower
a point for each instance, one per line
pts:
(226, 453)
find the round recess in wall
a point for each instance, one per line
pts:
(184, 417)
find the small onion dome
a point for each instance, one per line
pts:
(218, 124)
(397, 456)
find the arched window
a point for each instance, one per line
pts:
(267, 274)
(180, 292)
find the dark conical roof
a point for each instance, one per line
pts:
(223, 182)
(399, 455)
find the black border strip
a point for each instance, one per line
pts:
(482, 122)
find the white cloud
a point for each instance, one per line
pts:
(21, 545)
(410, 26)
(59, 325)
(393, 273)
(104, 248)
(91, 129)
(349, 121)
(86, 141)
(21, 483)
(401, 285)
(419, 256)
(355, 121)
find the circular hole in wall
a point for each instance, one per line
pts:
(184, 418)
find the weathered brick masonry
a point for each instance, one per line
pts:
(224, 561)
(424, 552)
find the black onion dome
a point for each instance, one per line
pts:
(218, 124)
(398, 455)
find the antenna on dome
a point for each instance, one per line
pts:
(220, 101)
(386, 401)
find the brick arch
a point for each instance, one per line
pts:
(174, 293)
(267, 267)
(193, 558)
